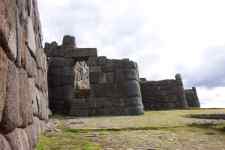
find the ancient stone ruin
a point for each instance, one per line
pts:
(83, 84)
(75, 80)
(167, 94)
(23, 76)
(192, 97)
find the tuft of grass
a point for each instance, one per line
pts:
(66, 141)
(90, 146)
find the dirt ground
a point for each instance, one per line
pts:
(202, 129)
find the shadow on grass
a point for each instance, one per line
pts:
(218, 127)
(215, 125)
(119, 129)
(207, 116)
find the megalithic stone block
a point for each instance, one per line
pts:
(4, 145)
(25, 99)
(18, 140)
(12, 116)
(69, 41)
(3, 80)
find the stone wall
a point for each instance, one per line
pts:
(82, 84)
(115, 88)
(23, 76)
(164, 94)
(192, 97)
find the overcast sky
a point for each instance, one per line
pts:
(165, 37)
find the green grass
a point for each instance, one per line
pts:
(65, 141)
(202, 129)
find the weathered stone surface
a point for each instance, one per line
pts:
(41, 80)
(22, 47)
(43, 106)
(41, 59)
(69, 42)
(31, 35)
(20, 36)
(18, 140)
(192, 97)
(31, 66)
(3, 80)
(12, 116)
(132, 89)
(164, 94)
(25, 99)
(4, 145)
(32, 133)
(67, 52)
(8, 28)
(97, 85)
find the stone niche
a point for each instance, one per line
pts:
(83, 84)
(192, 97)
(164, 94)
(81, 79)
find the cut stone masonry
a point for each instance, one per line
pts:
(87, 85)
(23, 76)
(70, 80)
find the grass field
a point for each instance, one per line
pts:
(202, 129)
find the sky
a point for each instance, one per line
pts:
(163, 37)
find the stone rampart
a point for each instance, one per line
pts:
(23, 76)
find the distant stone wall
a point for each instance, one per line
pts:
(82, 84)
(68, 73)
(192, 97)
(115, 89)
(23, 76)
(164, 94)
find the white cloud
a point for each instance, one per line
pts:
(215, 98)
(164, 37)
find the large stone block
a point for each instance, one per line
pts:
(43, 106)
(31, 66)
(138, 110)
(3, 80)
(69, 42)
(31, 35)
(41, 80)
(32, 133)
(133, 101)
(21, 45)
(131, 74)
(39, 126)
(192, 97)
(25, 99)
(8, 28)
(103, 90)
(132, 89)
(4, 145)
(12, 116)
(18, 140)
(41, 59)
(110, 77)
(60, 62)
(92, 61)
(35, 102)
